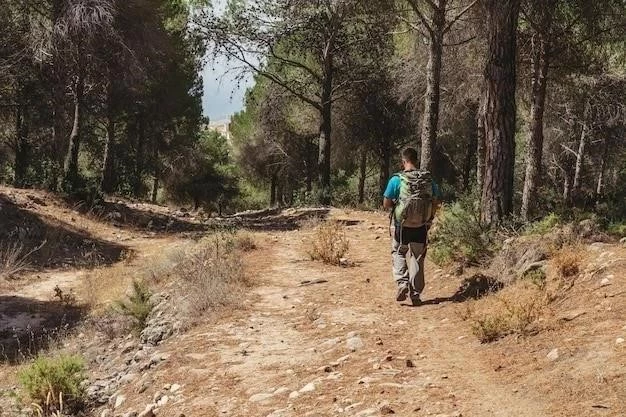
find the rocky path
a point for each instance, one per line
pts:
(320, 341)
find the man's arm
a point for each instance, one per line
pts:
(388, 203)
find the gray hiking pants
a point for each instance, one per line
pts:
(408, 264)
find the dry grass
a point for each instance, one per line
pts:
(210, 276)
(329, 243)
(567, 261)
(515, 310)
(13, 260)
(245, 242)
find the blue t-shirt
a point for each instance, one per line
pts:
(392, 192)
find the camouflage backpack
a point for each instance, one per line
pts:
(414, 207)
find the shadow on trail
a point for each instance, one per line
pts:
(42, 242)
(28, 326)
(472, 288)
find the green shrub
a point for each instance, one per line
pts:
(138, 305)
(543, 226)
(617, 229)
(54, 384)
(458, 235)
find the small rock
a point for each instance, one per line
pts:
(144, 386)
(129, 346)
(367, 412)
(328, 369)
(308, 388)
(294, 395)
(389, 358)
(410, 364)
(175, 387)
(344, 262)
(379, 342)
(163, 400)
(623, 241)
(366, 380)
(260, 397)
(354, 343)
(376, 366)
(619, 341)
(553, 355)
(106, 413)
(281, 391)
(148, 412)
(386, 409)
(119, 400)
(604, 282)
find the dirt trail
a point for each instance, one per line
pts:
(314, 340)
(339, 347)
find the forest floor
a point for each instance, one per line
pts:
(309, 339)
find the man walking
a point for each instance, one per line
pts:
(412, 196)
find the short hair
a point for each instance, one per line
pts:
(410, 155)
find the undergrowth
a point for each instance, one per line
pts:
(137, 305)
(458, 236)
(329, 243)
(54, 384)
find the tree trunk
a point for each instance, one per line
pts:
(600, 183)
(385, 165)
(362, 174)
(580, 156)
(500, 110)
(534, 151)
(70, 166)
(106, 180)
(480, 148)
(273, 190)
(567, 187)
(472, 143)
(21, 147)
(155, 189)
(433, 91)
(139, 151)
(325, 132)
(156, 175)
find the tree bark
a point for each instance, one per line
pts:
(106, 181)
(362, 174)
(325, 138)
(500, 110)
(582, 144)
(385, 165)
(156, 175)
(273, 190)
(480, 148)
(472, 144)
(70, 166)
(534, 151)
(21, 147)
(600, 183)
(139, 157)
(430, 122)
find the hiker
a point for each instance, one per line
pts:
(412, 196)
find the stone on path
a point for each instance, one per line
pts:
(553, 355)
(619, 341)
(308, 388)
(261, 397)
(354, 343)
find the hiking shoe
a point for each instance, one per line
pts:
(415, 299)
(403, 291)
